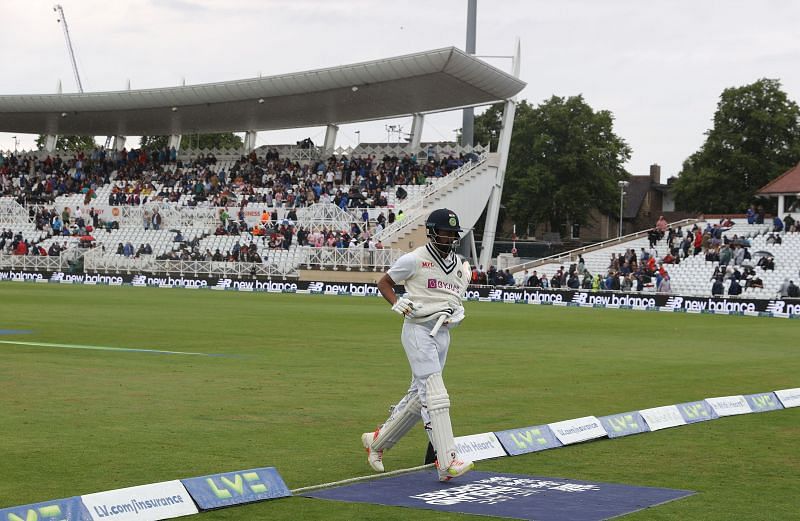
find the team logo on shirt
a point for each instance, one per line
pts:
(427, 264)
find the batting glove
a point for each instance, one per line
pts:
(404, 306)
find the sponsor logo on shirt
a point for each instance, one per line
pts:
(440, 284)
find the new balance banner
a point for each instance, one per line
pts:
(600, 299)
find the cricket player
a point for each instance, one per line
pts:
(435, 279)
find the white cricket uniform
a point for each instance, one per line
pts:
(437, 285)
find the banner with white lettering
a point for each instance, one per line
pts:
(477, 447)
(729, 405)
(788, 308)
(578, 430)
(143, 503)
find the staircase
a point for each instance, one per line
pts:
(465, 191)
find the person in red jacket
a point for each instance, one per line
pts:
(698, 241)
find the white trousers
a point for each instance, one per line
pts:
(426, 356)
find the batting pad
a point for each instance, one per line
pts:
(402, 419)
(441, 428)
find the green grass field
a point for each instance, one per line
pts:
(311, 373)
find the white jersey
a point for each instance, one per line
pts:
(438, 284)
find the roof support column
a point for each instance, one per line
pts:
(175, 141)
(781, 205)
(330, 139)
(416, 131)
(119, 143)
(493, 208)
(50, 143)
(250, 140)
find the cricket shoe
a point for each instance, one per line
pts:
(374, 457)
(457, 468)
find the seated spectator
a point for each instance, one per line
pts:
(777, 224)
(735, 289)
(717, 289)
(793, 291)
(766, 262)
(754, 281)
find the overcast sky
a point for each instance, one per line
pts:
(659, 66)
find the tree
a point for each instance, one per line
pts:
(221, 140)
(487, 126)
(68, 143)
(755, 138)
(564, 161)
(153, 142)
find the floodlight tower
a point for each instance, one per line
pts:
(63, 20)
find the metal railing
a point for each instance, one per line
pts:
(277, 263)
(34, 263)
(413, 208)
(11, 212)
(350, 259)
(572, 254)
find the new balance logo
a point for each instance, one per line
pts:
(496, 294)
(674, 303)
(316, 287)
(775, 306)
(139, 280)
(223, 283)
(57, 277)
(579, 298)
